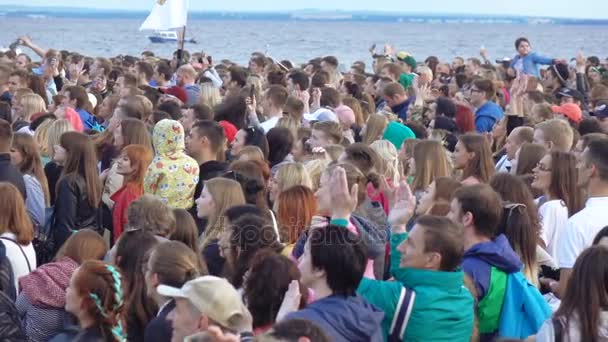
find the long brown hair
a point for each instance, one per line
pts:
(529, 155)
(564, 181)
(587, 293)
(175, 263)
(102, 289)
(444, 189)
(135, 132)
(431, 162)
(83, 245)
(31, 163)
(481, 166)
(82, 160)
(140, 157)
(13, 216)
(225, 193)
(186, 232)
(296, 207)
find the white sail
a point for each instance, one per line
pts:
(166, 15)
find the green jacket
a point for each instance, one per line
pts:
(443, 308)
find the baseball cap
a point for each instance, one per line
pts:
(601, 111)
(322, 114)
(569, 92)
(213, 296)
(229, 130)
(175, 91)
(406, 58)
(570, 110)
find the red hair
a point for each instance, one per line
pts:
(140, 157)
(465, 120)
(297, 205)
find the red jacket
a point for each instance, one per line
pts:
(122, 199)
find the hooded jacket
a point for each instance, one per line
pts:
(488, 264)
(486, 116)
(172, 175)
(344, 319)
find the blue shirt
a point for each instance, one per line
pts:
(486, 116)
(531, 63)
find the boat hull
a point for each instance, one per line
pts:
(160, 40)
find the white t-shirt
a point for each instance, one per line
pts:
(581, 229)
(553, 217)
(15, 256)
(269, 124)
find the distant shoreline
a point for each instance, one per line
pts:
(303, 15)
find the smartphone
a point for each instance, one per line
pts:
(210, 60)
(252, 92)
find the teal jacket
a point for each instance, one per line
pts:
(443, 309)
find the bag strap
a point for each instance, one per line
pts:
(558, 329)
(402, 315)
(22, 251)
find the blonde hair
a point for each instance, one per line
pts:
(55, 131)
(290, 123)
(41, 136)
(558, 132)
(290, 175)
(147, 105)
(423, 69)
(333, 152)
(251, 152)
(389, 160)
(210, 95)
(315, 168)
(431, 162)
(226, 193)
(32, 104)
(375, 126)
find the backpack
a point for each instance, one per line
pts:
(524, 309)
(43, 242)
(11, 329)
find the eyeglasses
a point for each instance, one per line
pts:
(474, 90)
(542, 167)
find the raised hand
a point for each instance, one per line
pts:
(291, 300)
(403, 209)
(344, 200)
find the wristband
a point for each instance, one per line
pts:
(340, 222)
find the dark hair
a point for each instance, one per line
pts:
(233, 109)
(445, 237)
(586, 294)
(588, 126)
(238, 75)
(319, 79)
(79, 94)
(278, 95)
(249, 234)
(330, 60)
(82, 161)
(484, 204)
(256, 137)
(299, 78)
(164, 69)
(213, 131)
(6, 135)
(600, 235)
(341, 254)
(293, 329)
(419, 130)
(5, 111)
(233, 213)
(174, 110)
(481, 166)
(598, 156)
(485, 86)
(250, 175)
(564, 181)
(330, 97)
(521, 40)
(280, 143)
(130, 253)
(276, 77)
(186, 232)
(362, 156)
(445, 106)
(264, 290)
(202, 111)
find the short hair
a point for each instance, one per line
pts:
(331, 60)
(129, 80)
(485, 86)
(445, 106)
(213, 131)
(150, 213)
(293, 329)
(202, 111)
(164, 69)
(146, 68)
(558, 132)
(332, 129)
(598, 156)
(319, 79)
(341, 254)
(393, 69)
(238, 75)
(133, 109)
(22, 74)
(521, 40)
(172, 108)
(362, 156)
(187, 70)
(79, 94)
(484, 204)
(474, 61)
(278, 95)
(300, 78)
(330, 97)
(589, 125)
(524, 134)
(393, 89)
(443, 236)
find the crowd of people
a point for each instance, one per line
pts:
(151, 199)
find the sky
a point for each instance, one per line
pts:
(588, 9)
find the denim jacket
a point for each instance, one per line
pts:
(531, 63)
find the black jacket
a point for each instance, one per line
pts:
(73, 210)
(53, 171)
(10, 323)
(159, 329)
(9, 173)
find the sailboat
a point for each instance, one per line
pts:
(167, 15)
